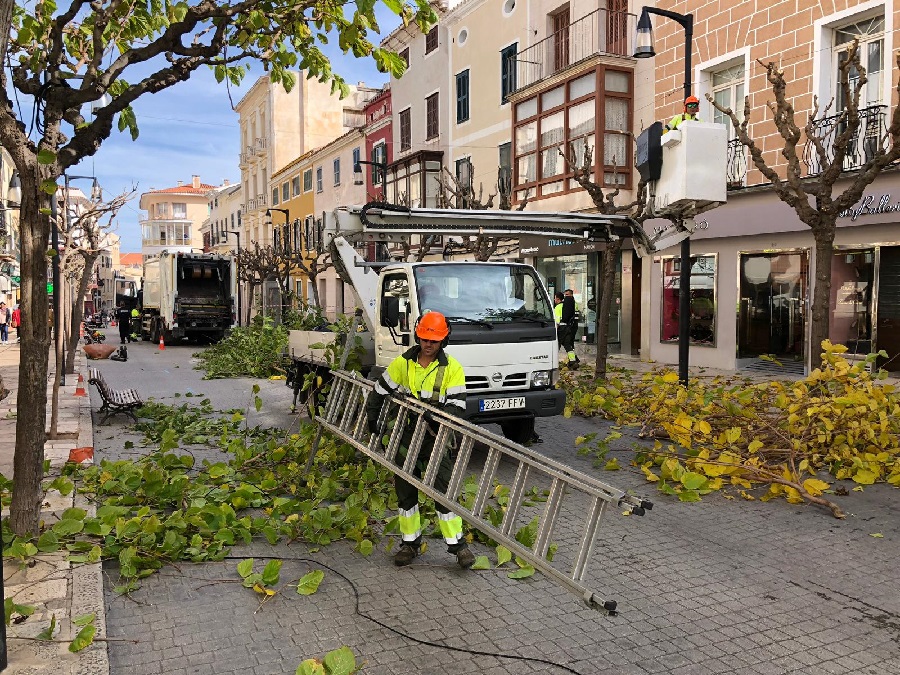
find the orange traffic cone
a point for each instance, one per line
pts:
(79, 390)
(162, 344)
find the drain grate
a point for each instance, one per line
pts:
(781, 368)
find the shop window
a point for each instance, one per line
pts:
(852, 278)
(703, 300)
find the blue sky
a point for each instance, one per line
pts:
(191, 129)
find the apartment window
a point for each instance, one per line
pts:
(337, 171)
(505, 163)
(431, 40)
(462, 96)
(356, 158)
(404, 54)
(319, 179)
(592, 109)
(379, 156)
(728, 92)
(285, 192)
(275, 196)
(414, 180)
(295, 186)
(464, 172)
(307, 180)
(431, 116)
(870, 33)
(508, 71)
(179, 210)
(405, 130)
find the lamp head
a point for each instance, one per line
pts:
(14, 193)
(643, 41)
(357, 174)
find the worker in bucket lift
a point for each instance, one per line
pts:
(691, 113)
(427, 373)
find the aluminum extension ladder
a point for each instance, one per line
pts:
(345, 417)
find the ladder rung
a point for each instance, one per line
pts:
(515, 499)
(486, 484)
(437, 455)
(548, 519)
(589, 538)
(458, 474)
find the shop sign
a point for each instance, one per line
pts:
(868, 207)
(535, 246)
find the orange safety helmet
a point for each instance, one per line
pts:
(691, 99)
(432, 326)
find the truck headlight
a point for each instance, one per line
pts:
(541, 378)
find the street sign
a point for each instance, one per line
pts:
(16, 279)
(49, 288)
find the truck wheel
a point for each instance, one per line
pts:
(154, 331)
(518, 431)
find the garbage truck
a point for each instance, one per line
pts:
(188, 296)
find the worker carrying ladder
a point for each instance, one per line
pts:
(583, 498)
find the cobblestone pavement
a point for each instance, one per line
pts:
(719, 586)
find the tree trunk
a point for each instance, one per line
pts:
(315, 291)
(821, 304)
(24, 511)
(78, 311)
(607, 286)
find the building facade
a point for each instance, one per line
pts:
(175, 217)
(10, 240)
(753, 268)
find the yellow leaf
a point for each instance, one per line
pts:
(877, 535)
(814, 486)
(864, 477)
(747, 496)
(733, 434)
(703, 427)
(670, 377)
(754, 445)
(652, 477)
(859, 488)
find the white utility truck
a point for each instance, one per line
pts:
(501, 318)
(188, 295)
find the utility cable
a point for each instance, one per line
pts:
(428, 643)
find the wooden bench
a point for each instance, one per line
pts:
(115, 401)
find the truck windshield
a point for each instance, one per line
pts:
(483, 292)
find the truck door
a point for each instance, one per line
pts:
(393, 334)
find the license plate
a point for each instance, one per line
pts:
(509, 403)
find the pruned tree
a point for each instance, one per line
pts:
(454, 193)
(605, 202)
(111, 53)
(812, 196)
(299, 260)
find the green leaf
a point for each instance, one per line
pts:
(48, 542)
(693, 481)
(340, 661)
(68, 526)
(481, 563)
(271, 572)
(522, 573)
(49, 186)
(84, 619)
(504, 555)
(309, 584)
(46, 156)
(47, 633)
(84, 638)
(310, 667)
(366, 547)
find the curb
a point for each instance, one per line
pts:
(54, 586)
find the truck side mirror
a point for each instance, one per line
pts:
(390, 311)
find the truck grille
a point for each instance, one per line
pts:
(481, 383)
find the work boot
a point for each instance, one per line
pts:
(406, 554)
(465, 557)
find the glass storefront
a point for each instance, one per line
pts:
(852, 282)
(773, 290)
(581, 273)
(702, 328)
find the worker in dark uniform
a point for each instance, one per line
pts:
(123, 317)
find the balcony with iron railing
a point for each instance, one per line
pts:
(261, 201)
(869, 139)
(735, 164)
(261, 145)
(602, 32)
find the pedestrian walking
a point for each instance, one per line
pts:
(428, 373)
(17, 321)
(5, 319)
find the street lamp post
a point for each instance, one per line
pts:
(643, 49)
(287, 222)
(380, 167)
(238, 281)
